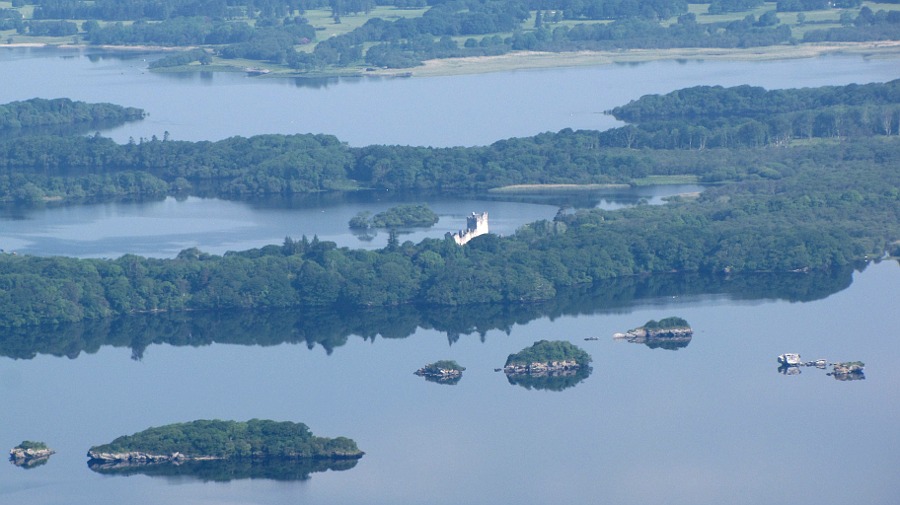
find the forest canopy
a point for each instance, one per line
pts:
(217, 439)
(58, 111)
(546, 351)
(781, 205)
(367, 35)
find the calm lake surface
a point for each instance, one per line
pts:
(434, 111)
(710, 423)
(163, 228)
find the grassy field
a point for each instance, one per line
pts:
(656, 180)
(326, 27)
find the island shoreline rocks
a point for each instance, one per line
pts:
(444, 371)
(30, 453)
(547, 359)
(538, 369)
(669, 333)
(790, 364)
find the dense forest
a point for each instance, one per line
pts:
(63, 111)
(290, 34)
(255, 438)
(668, 135)
(808, 204)
(329, 328)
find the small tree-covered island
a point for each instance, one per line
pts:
(401, 216)
(29, 454)
(201, 440)
(443, 371)
(548, 365)
(670, 333)
(546, 357)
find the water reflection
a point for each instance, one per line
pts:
(331, 329)
(853, 376)
(228, 470)
(28, 464)
(445, 380)
(61, 129)
(668, 343)
(850, 371)
(96, 55)
(550, 381)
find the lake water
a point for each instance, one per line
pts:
(163, 228)
(710, 423)
(434, 111)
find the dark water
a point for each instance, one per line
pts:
(435, 111)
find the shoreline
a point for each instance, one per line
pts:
(562, 188)
(524, 60)
(528, 60)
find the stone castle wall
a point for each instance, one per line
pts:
(476, 225)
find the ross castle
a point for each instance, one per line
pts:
(476, 225)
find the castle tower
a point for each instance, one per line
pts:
(476, 225)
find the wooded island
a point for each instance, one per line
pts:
(223, 440)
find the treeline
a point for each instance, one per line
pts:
(158, 10)
(63, 111)
(836, 203)
(256, 438)
(272, 30)
(614, 9)
(545, 351)
(710, 116)
(33, 169)
(405, 43)
(741, 102)
(270, 40)
(814, 5)
(329, 329)
(868, 25)
(669, 138)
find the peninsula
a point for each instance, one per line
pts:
(205, 440)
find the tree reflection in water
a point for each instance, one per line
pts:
(331, 329)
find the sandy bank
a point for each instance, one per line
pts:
(531, 59)
(540, 188)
